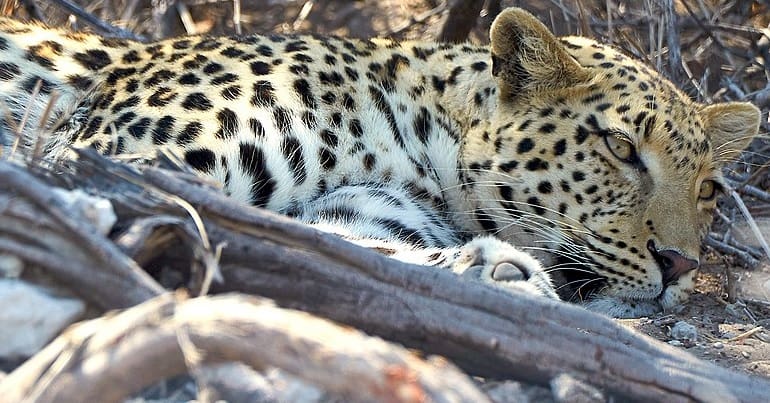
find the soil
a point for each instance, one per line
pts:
(732, 335)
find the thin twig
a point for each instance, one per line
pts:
(723, 247)
(95, 22)
(752, 223)
(745, 334)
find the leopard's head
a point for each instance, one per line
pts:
(600, 166)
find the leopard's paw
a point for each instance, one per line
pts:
(495, 262)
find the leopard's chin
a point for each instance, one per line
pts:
(669, 299)
(623, 308)
(574, 283)
(678, 292)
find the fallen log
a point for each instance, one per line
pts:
(484, 330)
(112, 358)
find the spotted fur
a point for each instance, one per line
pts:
(441, 154)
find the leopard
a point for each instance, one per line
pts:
(551, 166)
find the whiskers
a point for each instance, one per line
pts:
(583, 291)
(728, 151)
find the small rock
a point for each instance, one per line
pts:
(745, 354)
(97, 210)
(233, 382)
(515, 392)
(675, 343)
(10, 266)
(31, 317)
(566, 388)
(664, 320)
(718, 345)
(684, 332)
(288, 388)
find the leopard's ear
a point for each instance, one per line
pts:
(730, 126)
(527, 57)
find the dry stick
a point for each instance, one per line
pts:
(582, 20)
(752, 223)
(706, 29)
(745, 334)
(566, 12)
(608, 6)
(713, 241)
(128, 10)
(186, 17)
(485, 330)
(118, 356)
(237, 17)
(304, 12)
(94, 21)
(672, 40)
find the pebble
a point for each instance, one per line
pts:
(728, 335)
(718, 345)
(31, 316)
(675, 343)
(97, 210)
(567, 389)
(684, 332)
(745, 354)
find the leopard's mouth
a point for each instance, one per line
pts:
(575, 283)
(578, 283)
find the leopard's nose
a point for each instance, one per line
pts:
(672, 263)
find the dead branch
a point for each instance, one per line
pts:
(675, 69)
(90, 19)
(37, 227)
(114, 357)
(484, 330)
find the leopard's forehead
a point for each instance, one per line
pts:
(640, 99)
(622, 76)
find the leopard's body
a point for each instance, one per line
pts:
(566, 148)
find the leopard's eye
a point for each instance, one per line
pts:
(708, 190)
(621, 147)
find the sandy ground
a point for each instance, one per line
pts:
(731, 335)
